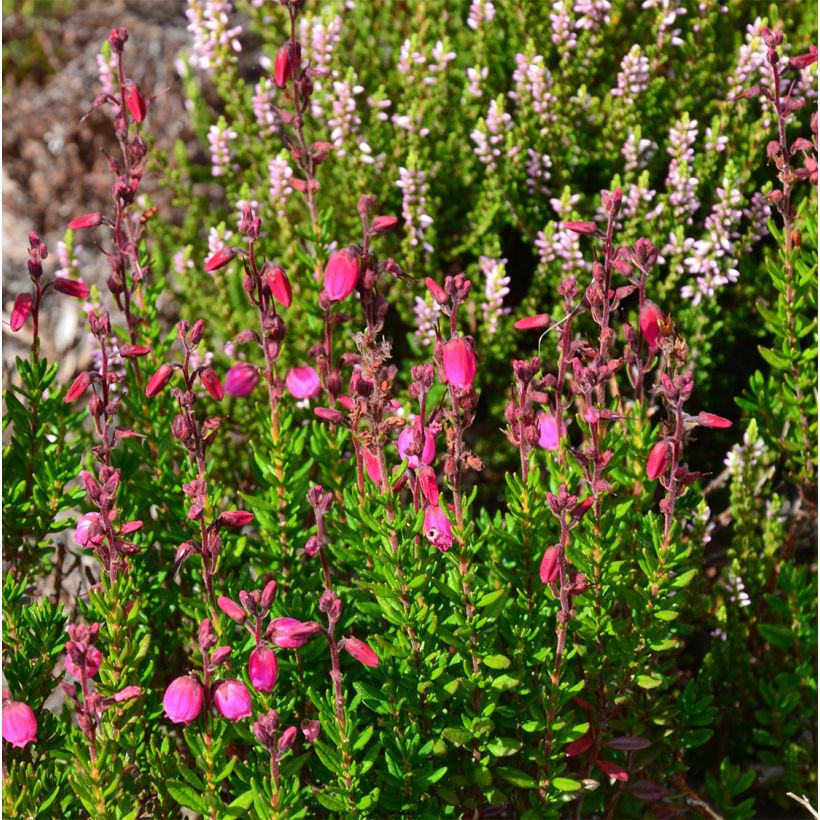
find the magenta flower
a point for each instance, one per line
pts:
(183, 699)
(231, 609)
(458, 361)
(549, 438)
(302, 382)
(85, 526)
(78, 387)
(428, 452)
(532, 322)
(649, 320)
(361, 651)
(311, 730)
(383, 223)
(158, 380)
(212, 384)
(19, 724)
(283, 66)
(711, 420)
(21, 310)
(658, 459)
(93, 660)
(136, 102)
(233, 699)
(287, 739)
(71, 287)
(371, 465)
(288, 633)
(437, 528)
(263, 669)
(241, 379)
(341, 275)
(87, 221)
(221, 258)
(280, 286)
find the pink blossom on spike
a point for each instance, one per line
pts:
(241, 379)
(458, 361)
(287, 739)
(288, 633)
(82, 534)
(428, 452)
(71, 287)
(302, 382)
(548, 438)
(263, 669)
(361, 651)
(136, 102)
(134, 351)
(93, 660)
(371, 465)
(221, 258)
(341, 275)
(649, 320)
(235, 518)
(549, 566)
(87, 221)
(19, 724)
(436, 290)
(212, 384)
(280, 286)
(20, 311)
(584, 228)
(231, 609)
(658, 459)
(428, 485)
(232, 699)
(437, 528)
(533, 322)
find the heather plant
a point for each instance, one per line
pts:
(413, 481)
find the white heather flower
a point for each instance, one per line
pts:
(745, 455)
(481, 12)
(562, 27)
(538, 173)
(219, 140)
(279, 175)
(183, 262)
(670, 10)
(427, 312)
(68, 264)
(476, 77)
(414, 187)
(106, 71)
(681, 188)
(714, 143)
(264, 94)
(532, 82)
(593, 14)
(208, 21)
(496, 287)
(633, 78)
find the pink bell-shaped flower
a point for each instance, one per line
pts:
(241, 379)
(361, 651)
(263, 668)
(19, 724)
(437, 528)
(302, 382)
(458, 361)
(233, 699)
(341, 275)
(183, 699)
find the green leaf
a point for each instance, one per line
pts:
(497, 661)
(186, 796)
(647, 682)
(503, 746)
(457, 735)
(516, 777)
(505, 682)
(566, 784)
(780, 636)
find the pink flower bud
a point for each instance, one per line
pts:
(428, 453)
(231, 609)
(268, 594)
(134, 351)
(280, 286)
(361, 651)
(711, 420)
(549, 566)
(85, 526)
(20, 312)
(584, 228)
(263, 669)
(241, 379)
(436, 291)
(428, 485)
(288, 633)
(71, 287)
(341, 275)
(533, 322)
(287, 739)
(135, 101)
(183, 699)
(221, 258)
(19, 724)
(649, 320)
(93, 660)
(549, 438)
(87, 221)
(212, 384)
(372, 466)
(383, 223)
(235, 518)
(302, 382)
(458, 361)
(658, 459)
(437, 529)
(158, 380)
(326, 413)
(128, 693)
(78, 387)
(232, 699)
(284, 65)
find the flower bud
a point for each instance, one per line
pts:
(284, 64)
(649, 320)
(87, 221)
(288, 633)
(438, 293)
(78, 387)
(158, 380)
(212, 384)
(381, 224)
(22, 307)
(235, 518)
(341, 275)
(183, 699)
(658, 459)
(549, 566)
(268, 594)
(79, 657)
(311, 730)
(583, 228)
(86, 529)
(263, 669)
(287, 739)
(711, 420)
(533, 322)
(241, 379)
(135, 101)
(19, 724)
(232, 699)
(459, 362)
(231, 609)
(71, 287)
(279, 285)
(221, 258)
(361, 652)
(134, 351)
